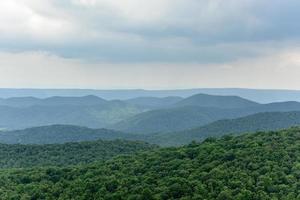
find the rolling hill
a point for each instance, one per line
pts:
(172, 119)
(90, 111)
(57, 134)
(269, 121)
(252, 166)
(187, 117)
(135, 116)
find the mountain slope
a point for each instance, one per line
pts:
(64, 133)
(173, 119)
(20, 156)
(270, 121)
(19, 101)
(76, 112)
(187, 117)
(154, 102)
(224, 102)
(59, 134)
(252, 166)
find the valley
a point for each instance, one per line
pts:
(199, 147)
(149, 100)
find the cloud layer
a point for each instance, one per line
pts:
(141, 30)
(212, 43)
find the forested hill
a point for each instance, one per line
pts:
(20, 156)
(257, 122)
(269, 121)
(65, 133)
(90, 111)
(172, 119)
(188, 117)
(253, 166)
(59, 134)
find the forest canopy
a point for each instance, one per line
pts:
(260, 166)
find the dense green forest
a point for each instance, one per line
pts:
(20, 156)
(260, 166)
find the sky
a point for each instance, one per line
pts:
(157, 44)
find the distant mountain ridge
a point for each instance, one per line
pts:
(90, 111)
(187, 117)
(171, 119)
(268, 121)
(154, 102)
(144, 115)
(193, 111)
(216, 101)
(258, 95)
(53, 101)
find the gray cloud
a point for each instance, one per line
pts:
(150, 31)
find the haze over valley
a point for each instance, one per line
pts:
(149, 100)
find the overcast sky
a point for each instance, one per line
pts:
(150, 44)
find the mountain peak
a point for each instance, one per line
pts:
(205, 100)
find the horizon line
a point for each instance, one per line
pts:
(149, 89)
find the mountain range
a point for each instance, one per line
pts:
(196, 111)
(269, 121)
(144, 115)
(258, 95)
(56, 134)
(90, 111)
(92, 148)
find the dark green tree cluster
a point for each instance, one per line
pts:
(261, 166)
(21, 156)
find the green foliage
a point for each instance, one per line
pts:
(20, 156)
(261, 166)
